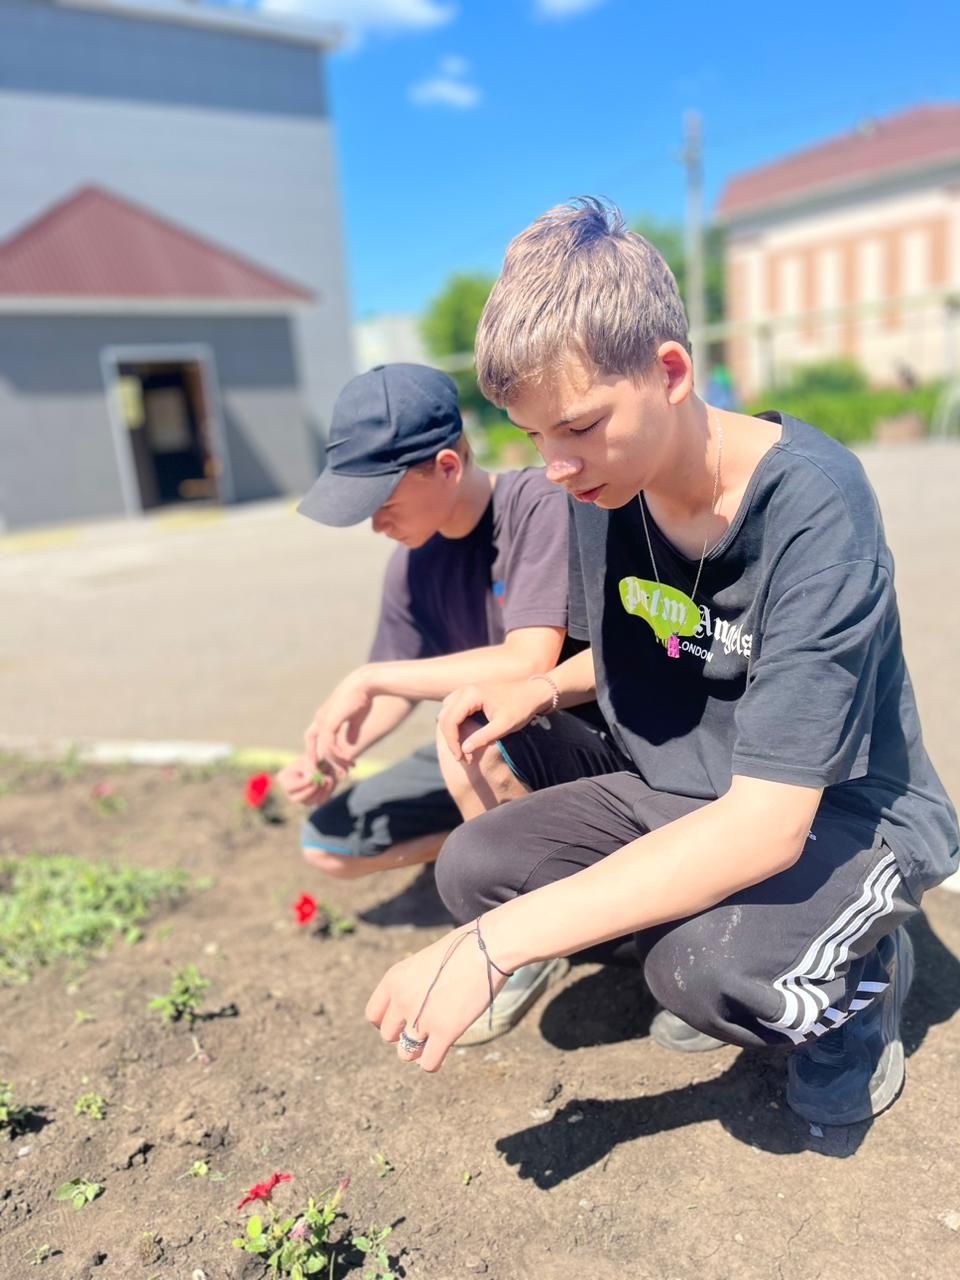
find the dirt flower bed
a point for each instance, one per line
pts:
(131, 1135)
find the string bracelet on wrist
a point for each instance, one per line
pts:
(541, 675)
(491, 965)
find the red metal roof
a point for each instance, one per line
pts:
(877, 149)
(96, 245)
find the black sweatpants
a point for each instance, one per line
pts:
(783, 961)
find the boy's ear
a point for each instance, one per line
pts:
(676, 369)
(448, 462)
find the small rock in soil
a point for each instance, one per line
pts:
(127, 1158)
(476, 1265)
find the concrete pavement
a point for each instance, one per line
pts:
(231, 625)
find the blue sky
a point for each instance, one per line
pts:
(458, 121)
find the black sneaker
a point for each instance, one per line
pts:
(856, 1071)
(671, 1032)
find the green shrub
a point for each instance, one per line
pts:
(850, 416)
(828, 377)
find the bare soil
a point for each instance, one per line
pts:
(574, 1147)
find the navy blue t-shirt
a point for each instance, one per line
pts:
(795, 672)
(509, 572)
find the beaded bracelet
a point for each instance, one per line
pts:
(553, 685)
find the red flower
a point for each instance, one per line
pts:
(101, 790)
(258, 788)
(305, 908)
(264, 1190)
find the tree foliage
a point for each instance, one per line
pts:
(450, 325)
(668, 238)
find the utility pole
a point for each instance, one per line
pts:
(696, 295)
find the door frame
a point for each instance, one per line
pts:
(202, 356)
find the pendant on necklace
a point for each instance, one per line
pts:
(673, 647)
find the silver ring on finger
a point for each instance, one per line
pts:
(409, 1045)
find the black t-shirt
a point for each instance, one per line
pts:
(510, 571)
(794, 671)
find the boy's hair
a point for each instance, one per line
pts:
(576, 284)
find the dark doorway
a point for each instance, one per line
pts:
(168, 423)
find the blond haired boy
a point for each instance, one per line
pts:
(766, 818)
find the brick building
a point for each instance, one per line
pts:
(849, 249)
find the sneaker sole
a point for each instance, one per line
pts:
(481, 1031)
(891, 1070)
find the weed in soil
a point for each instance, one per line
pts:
(62, 907)
(38, 1254)
(14, 1120)
(93, 1105)
(183, 999)
(79, 1191)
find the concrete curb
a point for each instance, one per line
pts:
(147, 751)
(105, 751)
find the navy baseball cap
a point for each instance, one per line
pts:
(384, 421)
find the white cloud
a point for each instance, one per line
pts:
(565, 8)
(367, 14)
(449, 87)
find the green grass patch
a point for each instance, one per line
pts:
(66, 908)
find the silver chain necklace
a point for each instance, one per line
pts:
(673, 644)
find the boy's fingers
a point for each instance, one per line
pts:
(482, 737)
(434, 1051)
(451, 737)
(377, 1004)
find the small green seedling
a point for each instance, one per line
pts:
(373, 1247)
(467, 1177)
(382, 1164)
(79, 1191)
(38, 1255)
(199, 1169)
(333, 922)
(183, 998)
(93, 1105)
(107, 800)
(81, 1016)
(12, 1118)
(71, 765)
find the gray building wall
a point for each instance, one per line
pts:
(223, 132)
(58, 457)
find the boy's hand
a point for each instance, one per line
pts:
(336, 725)
(305, 784)
(508, 706)
(461, 994)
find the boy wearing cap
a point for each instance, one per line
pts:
(476, 590)
(765, 817)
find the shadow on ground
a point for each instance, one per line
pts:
(747, 1099)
